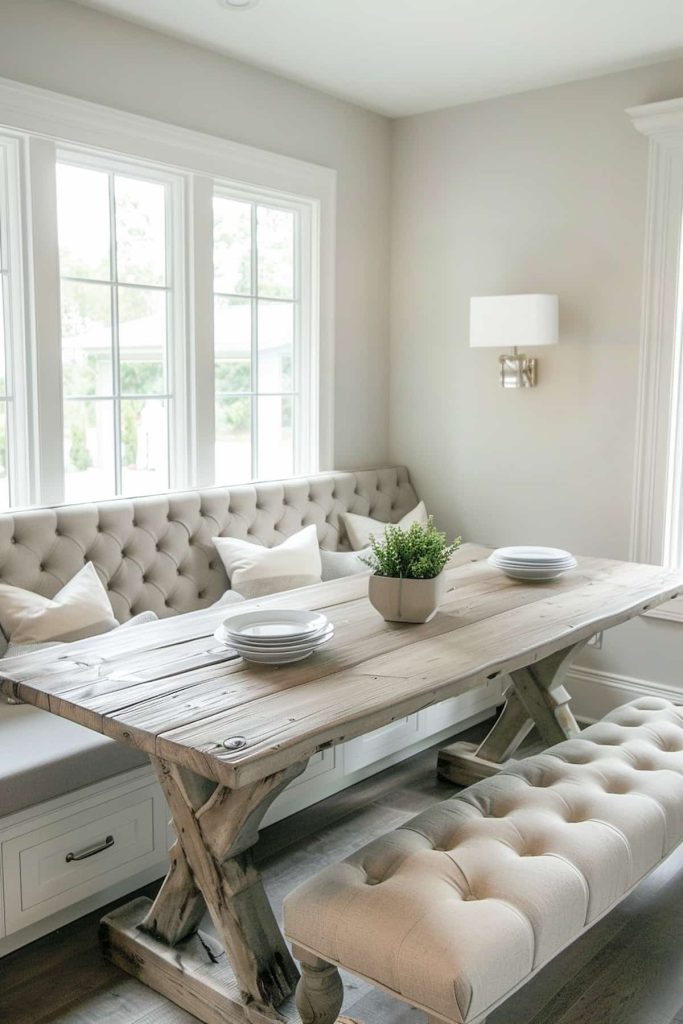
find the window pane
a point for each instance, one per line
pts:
(4, 458)
(144, 445)
(140, 230)
(142, 341)
(275, 437)
(275, 246)
(86, 338)
(88, 449)
(232, 334)
(232, 246)
(275, 346)
(83, 222)
(233, 440)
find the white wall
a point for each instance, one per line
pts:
(80, 52)
(541, 192)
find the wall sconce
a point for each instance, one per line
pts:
(513, 321)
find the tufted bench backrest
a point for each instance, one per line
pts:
(155, 553)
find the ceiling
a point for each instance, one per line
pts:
(407, 56)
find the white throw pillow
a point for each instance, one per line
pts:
(360, 528)
(80, 609)
(255, 571)
(337, 564)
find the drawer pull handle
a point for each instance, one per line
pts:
(90, 851)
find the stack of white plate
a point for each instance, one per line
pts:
(275, 637)
(532, 563)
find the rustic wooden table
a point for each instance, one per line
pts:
(226, 738)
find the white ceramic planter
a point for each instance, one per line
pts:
(399, 600)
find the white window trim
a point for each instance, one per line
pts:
(22, 484)
(179, 436)
(306, 409)
(659, 423)
(55, 121)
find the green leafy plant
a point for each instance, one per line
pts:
(418, 553)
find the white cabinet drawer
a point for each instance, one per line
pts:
(365, 750)
(456, 710)
(54, 866)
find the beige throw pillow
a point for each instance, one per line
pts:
(255, 571)
(360, 528)
(80, 609)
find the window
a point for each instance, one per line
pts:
(163, 323)
(116, 312)
(6, 330)
(13, 476)
(657, 534)
(256, 339)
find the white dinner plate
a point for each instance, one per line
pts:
(265, 658)
(270, 644)
(532, 567)
(288, 647)
(271, 624)
(534, 577)
(528, 553)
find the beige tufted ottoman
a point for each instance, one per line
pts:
(463, 904)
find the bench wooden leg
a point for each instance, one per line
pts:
(320, 992)
(537, 697)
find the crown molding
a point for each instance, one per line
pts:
(658, 118)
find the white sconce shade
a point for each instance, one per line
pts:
(513, 321)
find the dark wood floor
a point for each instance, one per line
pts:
(627, 970)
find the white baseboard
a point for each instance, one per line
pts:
(595, 692)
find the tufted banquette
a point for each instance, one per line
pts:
(155, 553)
(463, 904)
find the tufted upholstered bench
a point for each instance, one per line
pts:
(155, 553)
(459, 907)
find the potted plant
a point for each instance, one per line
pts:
(408, 581)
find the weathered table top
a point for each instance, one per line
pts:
(160, 691)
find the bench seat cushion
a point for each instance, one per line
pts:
(42, 756)
(458, 907)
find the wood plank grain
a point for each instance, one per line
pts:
(288, 725)
(471, 589)
(372, 673)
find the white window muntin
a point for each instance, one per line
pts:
(175, 393)
(304, 302)
(43, 121)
